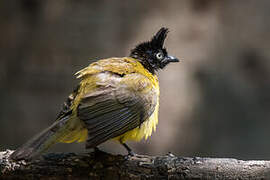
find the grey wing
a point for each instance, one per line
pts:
(108, 113)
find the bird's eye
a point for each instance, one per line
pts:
(159, 55)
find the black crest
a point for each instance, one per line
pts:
(159, 38)
(156, 43)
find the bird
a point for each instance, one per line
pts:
(116, 99)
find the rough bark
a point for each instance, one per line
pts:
(101, 165)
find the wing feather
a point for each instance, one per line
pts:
(106, 119)
(115, 130)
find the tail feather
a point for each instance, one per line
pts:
(41, 142)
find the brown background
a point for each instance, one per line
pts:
(216, 102)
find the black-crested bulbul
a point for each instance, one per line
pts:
(117, 98)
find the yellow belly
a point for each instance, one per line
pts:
(144, 131)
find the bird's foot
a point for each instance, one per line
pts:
(131, 153)
(131, 156)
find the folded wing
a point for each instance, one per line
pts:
(118, 104)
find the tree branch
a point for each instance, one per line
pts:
(100, 165)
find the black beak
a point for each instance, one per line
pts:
(171, 59)
(167, 60)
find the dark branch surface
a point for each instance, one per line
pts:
(100, 165)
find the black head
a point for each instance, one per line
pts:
(152, 54)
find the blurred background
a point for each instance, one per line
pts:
(215, 103)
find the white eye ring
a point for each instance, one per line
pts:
(159, 55)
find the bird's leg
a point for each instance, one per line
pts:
(129, 150)
(131, 154)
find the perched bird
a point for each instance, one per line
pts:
(117, 98)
